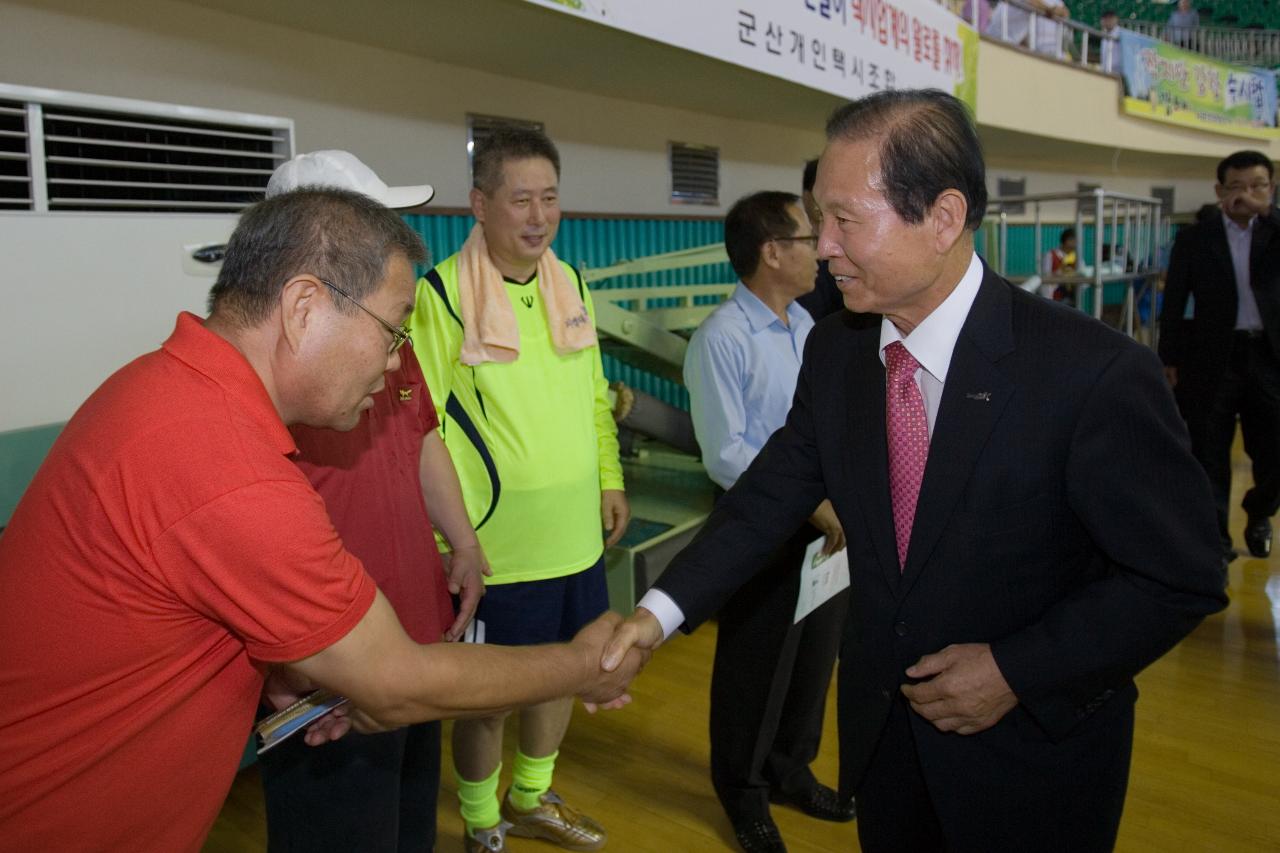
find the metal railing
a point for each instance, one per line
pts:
(1128, 230)
(1241, 46)
(1059, 38)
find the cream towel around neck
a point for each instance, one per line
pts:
(489, 328)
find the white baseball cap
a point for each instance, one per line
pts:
(344, 170)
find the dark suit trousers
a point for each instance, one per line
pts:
(372, 793)
(1250, 388)
(1004, 791)
(769, 685)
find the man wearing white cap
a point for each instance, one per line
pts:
(343, 169)
(377, 792)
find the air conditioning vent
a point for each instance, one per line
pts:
(1012, 188)
(91, 153)
(103, 161)
(15, 161)
(695, 174)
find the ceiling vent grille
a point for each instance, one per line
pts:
(88, 153)
(695, 174)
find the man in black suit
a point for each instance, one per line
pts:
(825, 298)
(1224, 360)
(1026, 525)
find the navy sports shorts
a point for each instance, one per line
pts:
(547, 611)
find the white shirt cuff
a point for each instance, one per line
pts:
(661, 605)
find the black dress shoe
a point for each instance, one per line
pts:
(1257, 535)
(819, 801)
(759, 836)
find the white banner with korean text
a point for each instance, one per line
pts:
(849, 48)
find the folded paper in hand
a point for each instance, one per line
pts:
(821, 577)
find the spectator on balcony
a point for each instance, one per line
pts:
(1183, 22)
(984, 14)
(1013, 23)
(1109, 57)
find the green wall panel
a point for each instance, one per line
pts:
(21, 452)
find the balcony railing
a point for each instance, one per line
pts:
(1243, 47)
(1027, 27)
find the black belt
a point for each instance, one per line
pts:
(1250, 334)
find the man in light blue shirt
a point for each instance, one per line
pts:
(770, 679)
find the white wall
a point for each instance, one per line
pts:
(402, 114)
(84, 294)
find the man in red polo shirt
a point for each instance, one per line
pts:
(169, 551)
(383, 483)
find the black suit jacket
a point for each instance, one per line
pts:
(1061, 519)
(1200, 266)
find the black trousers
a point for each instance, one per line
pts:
(1249, 390)
(372, 793)
(769, 685)
(1018, 794)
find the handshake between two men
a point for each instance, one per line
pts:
(392, 681)
(958, 688)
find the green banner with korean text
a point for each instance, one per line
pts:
(1165, 83)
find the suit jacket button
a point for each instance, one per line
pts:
(900, 628)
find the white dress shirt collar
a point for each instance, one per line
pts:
(1230, 223)
(932, 342)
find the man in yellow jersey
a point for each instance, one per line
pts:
(509, 351)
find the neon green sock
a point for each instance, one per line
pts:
(530, 779)
(479, 801)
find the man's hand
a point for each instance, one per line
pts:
(1245, 202)
(465, 569)
(642, 630)
(283, 687)
(615, 514)
(824, 518)
(965, 691)
(608, 688)
(1171, 375)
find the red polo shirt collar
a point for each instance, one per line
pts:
(215, 358)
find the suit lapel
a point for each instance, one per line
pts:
(973, 398)
(868, 465)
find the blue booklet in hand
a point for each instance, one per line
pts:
(284, 724)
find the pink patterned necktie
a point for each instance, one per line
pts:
(908, 431)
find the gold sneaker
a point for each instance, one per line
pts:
(555, 822)
(491, 840)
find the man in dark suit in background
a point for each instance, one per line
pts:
(1026, 525)
(825, 298)
(1223, 360)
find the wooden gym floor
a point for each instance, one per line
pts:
(1205, 775)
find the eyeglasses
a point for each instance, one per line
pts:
(811, 239)
(1257, 187)
(399, 336)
